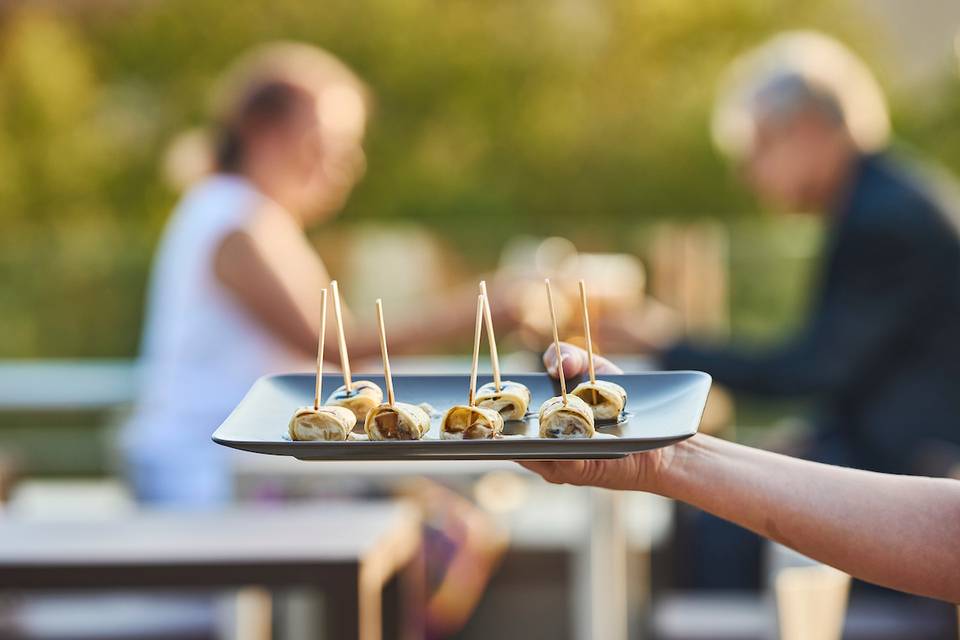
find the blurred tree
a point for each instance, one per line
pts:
(580, 117)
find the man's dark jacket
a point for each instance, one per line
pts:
(880, 351)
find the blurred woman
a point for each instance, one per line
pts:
(232, 288)
(235, 288)
(235, 294)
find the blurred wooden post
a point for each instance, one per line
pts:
(690, 274)
(811, 602)
(600, 570)
(8, 468)
(253, 614)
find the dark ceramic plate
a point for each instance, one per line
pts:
(662, 408)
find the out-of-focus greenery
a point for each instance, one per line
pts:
(492, 118)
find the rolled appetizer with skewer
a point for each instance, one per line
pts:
(393, 420)
(397, 421)
(358, 396)
(510, 399)
(321, 422)
(570, 419)
(470, 422)
(606, 399)
(566, 415)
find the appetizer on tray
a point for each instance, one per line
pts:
(509, 399)
(606, 399)
(566, 415)
(469, 421)
(321, 422)
(393, 420)
(360, 396)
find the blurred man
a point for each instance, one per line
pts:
(880, 349)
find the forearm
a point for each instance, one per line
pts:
(403, 337)
(444, 320)
(785, 371)
(898, 531)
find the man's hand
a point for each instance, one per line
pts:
(649, 330)
(636, 472)
(575, 362)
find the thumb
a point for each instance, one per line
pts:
(573, 358)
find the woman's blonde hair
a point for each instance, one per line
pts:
(264, 85)
(268, 81)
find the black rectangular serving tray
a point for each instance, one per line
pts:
(662, 408)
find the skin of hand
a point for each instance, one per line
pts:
(575, 361)
(637, 472)
(632, 472)
(649, 328)
(895, 531)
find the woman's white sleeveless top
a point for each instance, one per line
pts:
(201, 349)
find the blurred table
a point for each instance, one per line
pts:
(44, 385)
(61, 384)
(590, 523)
(348, 552)
(54, 384)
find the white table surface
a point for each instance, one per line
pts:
(321, 531)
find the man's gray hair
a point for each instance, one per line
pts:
(794, 72)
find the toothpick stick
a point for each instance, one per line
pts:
(586, 331)
(383, 353)
(476, 350)
(556, 342)
(342, 341)
(323, 333)
(491, 338)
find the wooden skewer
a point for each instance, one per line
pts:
(383, 353)
(586, 331)
(323, 333)
(556, 342)
(491, 338)
(476, 350)
(341, 339)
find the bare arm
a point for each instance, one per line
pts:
(898, 531)
(271, 270)
(277, 276)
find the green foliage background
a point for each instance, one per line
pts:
(581, 118)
